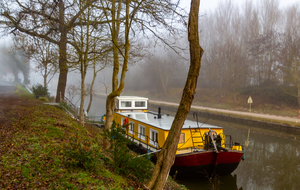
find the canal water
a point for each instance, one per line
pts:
(272, 162)
(272, 159)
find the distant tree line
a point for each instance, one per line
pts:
(251, 45)
(245, 45)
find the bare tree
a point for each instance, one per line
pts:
(263, 53)
(96, 70)
(140, 14)
(269, 15)
(89, 43)
(72, 91)
(225, 61)
(15, 60)
(49, 20)
(40, 51)
(290, 52)
(235, 67)
(163, 70)
(46, 57)
(166, 156)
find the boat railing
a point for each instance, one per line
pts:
(144, 140)
(229, 141)
(202, 146)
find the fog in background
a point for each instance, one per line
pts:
(14, 65)
(246, 43)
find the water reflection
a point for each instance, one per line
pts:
(228, 182)
(272, 159)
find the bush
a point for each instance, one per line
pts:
(40, 90)
(81, 153)
(124, 161)
(43, 99)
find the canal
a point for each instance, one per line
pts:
(272, 158)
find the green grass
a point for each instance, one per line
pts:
(34, 152)
(21, 90)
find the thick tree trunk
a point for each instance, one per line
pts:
(167, 155)
(110, 102)
(63, 67)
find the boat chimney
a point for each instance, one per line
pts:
(159, 113)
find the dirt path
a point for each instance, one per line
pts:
(8, 102)
(8, 98)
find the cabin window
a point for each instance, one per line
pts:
(125, 104)
(182, 138)
(131, 127)
(140, 104)
(142, 132)
(153, 137)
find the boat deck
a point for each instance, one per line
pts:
(164, 123)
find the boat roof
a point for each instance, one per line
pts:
(165, 122)
(131, 98)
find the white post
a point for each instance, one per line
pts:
(250, 101)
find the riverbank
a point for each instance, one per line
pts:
(276, 123)
(44, 148)
(270, 103)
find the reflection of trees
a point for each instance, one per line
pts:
(287, 162)
(271, 163)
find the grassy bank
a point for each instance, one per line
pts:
(44, 148)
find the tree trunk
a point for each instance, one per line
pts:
(63, 67)
(116, 87)
(45, 77)
(91, 94)
(81, 116)
(166, 156)
(110, 102)
(298, 97)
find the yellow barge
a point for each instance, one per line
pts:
(201, 148)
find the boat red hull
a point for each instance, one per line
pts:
(207, 162)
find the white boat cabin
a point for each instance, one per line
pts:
(131, 103)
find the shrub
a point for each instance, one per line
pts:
(45, 99)
(124, 161)
(80, 152)
(40, 90)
